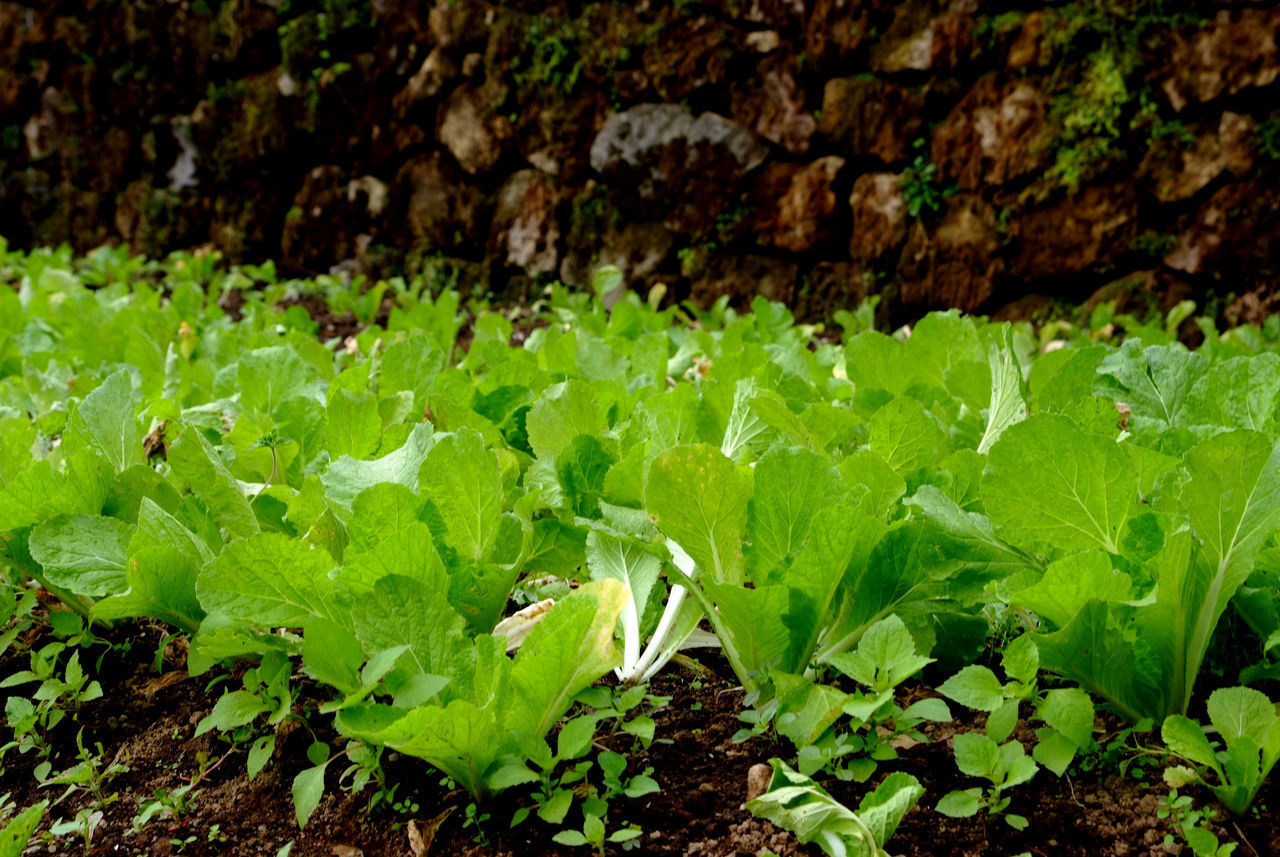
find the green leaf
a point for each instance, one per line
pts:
(906, 436)
(331, 654)
(565, 653)
(353, 427)
(581, 468)
(268, 376)
(561, 413)
(975, 686)
(1051, 487)
(270, 580)
(1002, 721)
(960, 804)
(1153, 382)
(1069, 711)
(1242, 712)
(347, 477)
(107, 419)
(700, 502)
(864, 468)
(1054, 751)
(233, 709)
(796, 803)
(161, 584)
(1021, 659)
(431, 629)
(307, 789)
(18, 832)
(1073, 581)
(464, 480)
(1184, 738)
(84, 553)
(1007, 405)
(194, 461)
(790, 487)
(977, 755)
(885, 657)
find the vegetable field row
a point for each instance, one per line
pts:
(1048, 524)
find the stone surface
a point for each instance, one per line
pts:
(879, 216)
(1235, 51)
(662, 153)
(1085, 230)
(1174, 170)
(867, 116)
(441, 209)
(472, 131)
(795, 203)
(525, 231)
(923, 37)
(427, 82)
(835, 29)
(830, 286)
(955, 265)
(1236, 229)
(745, 277)
(999, 131)
(771, 104)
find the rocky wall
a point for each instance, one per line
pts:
(993, 156)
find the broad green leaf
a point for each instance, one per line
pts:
(885, 657)
(1053, 488)
(107, 419)
(1242, 392)
(1071, 582)
(382, 511)
(1233, 499)
(307, 789)
(796, 803)
(400, 611)
(744, 428)
(234, 708)
(790, 487)
(700, 502)
(1183, 736)
(562, 412)
(84, 553)
(347, 477)
(270, 580)
(960, 804)
(18, 832)
(1069, 710)
(353, 426)
(977, 755)
(747, 623)
(581, 468)
(975, 686)
(806, 709)
(1154, 382)
(906, 436)
(565, 653)
(195, 462)
(1007, 405)
(160, 582)
(1242, 712)
(268, 376)
(409, 553)
(864, 468)
(464, 480)
(331, 654)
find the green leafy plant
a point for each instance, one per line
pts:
(1192, 826)
(920, 187)
(796, 803)
(1247, 724)
(1003, 765)
(1067, 713)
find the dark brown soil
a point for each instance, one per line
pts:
(147, 721)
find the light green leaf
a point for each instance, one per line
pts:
(977, 755)
(268, 376)
(107, 418)
(270, 580)
(906, 436)
(233, 709)
(561, 413)
(1183, 737)
(195, 462)
(347, 477)
(960, 804)
(160, 583)
(1242, 712)
(1052, 487)
(402, 611)
(353, 426)
(307, 789)
(1069, 711)
(464, 480)
(700, 502)
(975, 686)
(84, 553)
(1007, 405)
(18, 832)
(790, 487)
(1073, 581)
(567, 651)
